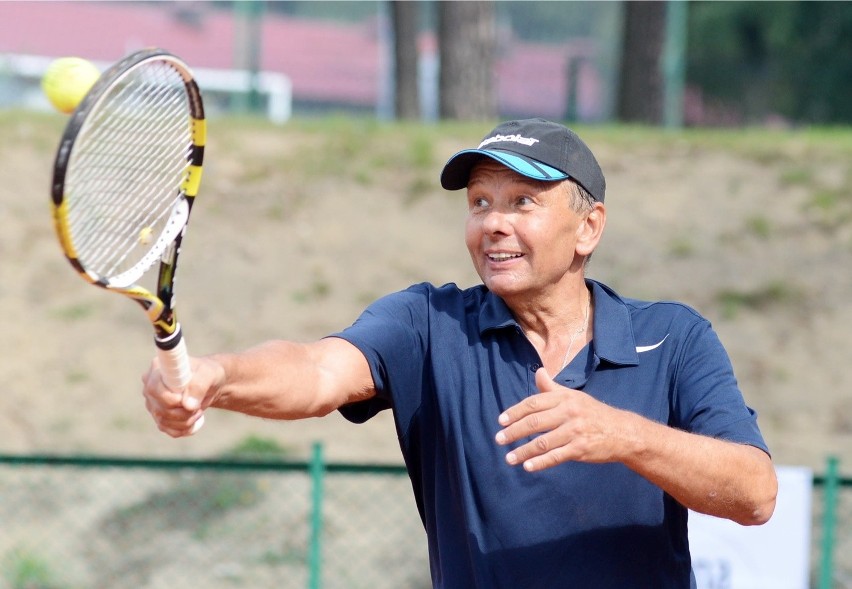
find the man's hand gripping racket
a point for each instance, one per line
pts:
(125, 177)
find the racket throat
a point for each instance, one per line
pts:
(161, 316)
(166, 327)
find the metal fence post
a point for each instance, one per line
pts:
(317, 468)
(832, 482)
(674, 63)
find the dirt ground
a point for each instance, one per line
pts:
(757, 237)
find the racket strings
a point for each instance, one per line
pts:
(128, 166)
(129, 197)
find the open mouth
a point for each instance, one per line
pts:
(502, 256)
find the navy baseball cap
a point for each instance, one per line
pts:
(534, 148)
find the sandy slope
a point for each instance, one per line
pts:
(299, 254)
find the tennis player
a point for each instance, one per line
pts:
(554, 431)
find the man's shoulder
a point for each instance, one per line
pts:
(429, 297)
(445, 292)
(650, 309)
(676, 310)
(634, 323)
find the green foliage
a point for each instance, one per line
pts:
(681, 247)
(193, 503)
(318, 289)
(77, 376)
(759, 226)
(830, 208)
(759, 299)
(421, 151)
(797, 176)
(554, 21)
(255, 447)
(330, 9)
(422, 163)
(790, 58)
(75, 312)
(23, 569)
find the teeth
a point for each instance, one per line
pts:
(502, 257)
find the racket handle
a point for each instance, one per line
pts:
(174, 366)
(174, 361)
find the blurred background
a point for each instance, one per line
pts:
(666, 63)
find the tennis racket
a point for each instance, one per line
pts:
(126, 174)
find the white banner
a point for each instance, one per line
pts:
(775, 555)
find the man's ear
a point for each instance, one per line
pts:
(591, 229)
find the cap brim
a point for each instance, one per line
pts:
(456, 173)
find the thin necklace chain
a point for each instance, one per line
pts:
(577, 333)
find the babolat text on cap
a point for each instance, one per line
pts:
(535, 148)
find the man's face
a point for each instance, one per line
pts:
(521, 233)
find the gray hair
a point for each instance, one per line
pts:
(581, 200)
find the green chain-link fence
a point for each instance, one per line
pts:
(94, 523)
(832, 548)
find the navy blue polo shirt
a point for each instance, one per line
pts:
(448, 361)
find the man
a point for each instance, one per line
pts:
(555, 433)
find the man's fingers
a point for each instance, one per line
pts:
(529, 406)
(534, 403)
(544, 382)
(536, 423)
(542, 416)
(178, 426)
(189, 402)
(173, 413)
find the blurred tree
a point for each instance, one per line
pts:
(339, 10)
(404, 16)
(550, 22)
(728, 58)
(467, 41)
(817, 69)
(758, 59)
(640, 92)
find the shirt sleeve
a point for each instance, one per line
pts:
(707, 399)
(391, 333)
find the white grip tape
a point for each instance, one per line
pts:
(176, 372)
(174, 367)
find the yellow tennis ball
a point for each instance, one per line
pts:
(145, 235)
(67, 81)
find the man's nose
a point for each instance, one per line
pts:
(496, 222)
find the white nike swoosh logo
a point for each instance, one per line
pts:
(640, 349)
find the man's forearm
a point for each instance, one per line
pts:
(289, 380)
(716, 477)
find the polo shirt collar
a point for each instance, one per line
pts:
(612, 330)
(495, 314)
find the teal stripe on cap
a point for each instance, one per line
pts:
(538, 170)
